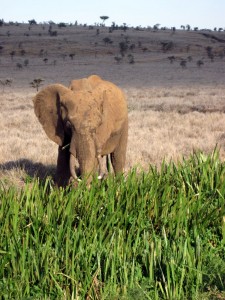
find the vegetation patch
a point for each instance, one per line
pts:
(158, 234)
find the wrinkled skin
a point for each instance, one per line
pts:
(86, 123)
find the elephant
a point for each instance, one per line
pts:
(86, 123)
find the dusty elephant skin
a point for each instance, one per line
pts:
(87, 120)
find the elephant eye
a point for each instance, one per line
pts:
(68, 124)
(68, 127)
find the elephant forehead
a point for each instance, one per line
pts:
(83, 113)
(84, 104)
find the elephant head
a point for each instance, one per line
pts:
(86, 125)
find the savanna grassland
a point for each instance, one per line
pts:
(159, 231)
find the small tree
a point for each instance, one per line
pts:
(32, 22)
(22, 52)
(36, 83)
(171, 59)
(19, 66)
(118, 59)
(6, 82)
(132, 47)
(26, 62)
(188, 27)
(156, 26)
(71, 55)
(104, 18)
(12, 53)
(107, 41)
(61, 25)
(167, 46)
(130, 59)
(124, 27)
(210, 54)
(53, 33)
(183, 64)
(41, 52)
(123, 48)
(200, 63)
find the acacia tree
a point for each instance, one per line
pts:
(12, 53)
(188, 27)
(104, 18)
(36, 83)
(32, 22)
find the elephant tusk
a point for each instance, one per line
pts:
(66, 146)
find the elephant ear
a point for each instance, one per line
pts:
(47, 108)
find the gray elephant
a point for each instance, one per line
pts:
(86, 124)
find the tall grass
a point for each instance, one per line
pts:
(153, 235)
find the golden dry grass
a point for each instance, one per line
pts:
(172, 111)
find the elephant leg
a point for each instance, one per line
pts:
(118, 156)
(103, 163)
(63, 167)
(118, 161)
(108, 163)
(104, 166)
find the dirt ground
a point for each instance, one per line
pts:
(175, 108)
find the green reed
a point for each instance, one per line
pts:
(149, 235)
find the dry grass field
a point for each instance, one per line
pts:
(173, 109)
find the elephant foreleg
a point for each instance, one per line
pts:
(62, 170)
(103, 166)
(101, 172)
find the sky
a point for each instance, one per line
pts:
(169, 13)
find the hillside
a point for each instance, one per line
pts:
(78, 51)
